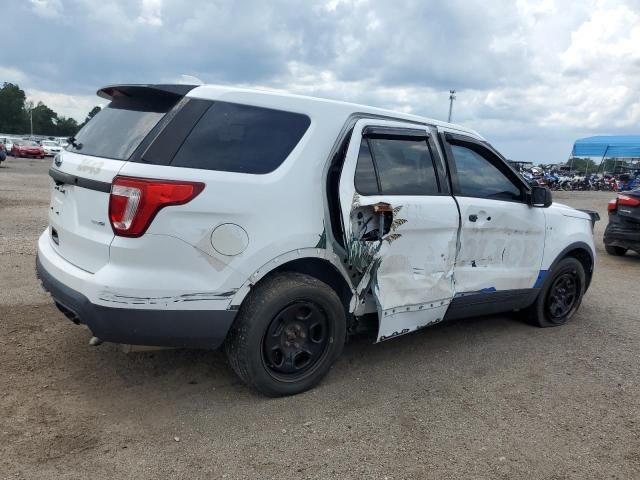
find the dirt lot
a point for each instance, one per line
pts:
(486, 398)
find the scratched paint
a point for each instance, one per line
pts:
(114, 297)
(502, 248)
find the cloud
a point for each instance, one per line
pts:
(75, 106)
(531, 75)
(11, 74)
(47, 8)
(151, 13)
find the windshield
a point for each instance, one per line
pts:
(117, 130)
(27, 143)
(50, 144)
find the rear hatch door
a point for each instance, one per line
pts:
(81, 176)
(78, 214)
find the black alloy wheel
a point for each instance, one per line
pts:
(562, 296)
(288, 332)
(296, 340)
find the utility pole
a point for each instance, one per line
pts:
(31, 121)
(452, 97)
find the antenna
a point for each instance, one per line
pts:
(452, 97)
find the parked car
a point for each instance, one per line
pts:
(8, 143)
(27, 148)
(623, 230)
(50, 147)
(63, 142)
(3, 153)
(270, 224)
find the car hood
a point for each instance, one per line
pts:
(568, 211)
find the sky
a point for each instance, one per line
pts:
(531, 75)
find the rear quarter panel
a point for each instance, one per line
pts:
(281, 212)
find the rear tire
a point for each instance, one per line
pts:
(560, 296)
(289, 331)
(615, 251)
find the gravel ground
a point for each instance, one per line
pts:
(484, 398)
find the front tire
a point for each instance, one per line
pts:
(616, 251)
(289, 331)
(560, 296)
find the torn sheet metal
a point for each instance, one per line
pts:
(398, 321)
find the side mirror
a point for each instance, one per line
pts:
(540, 197)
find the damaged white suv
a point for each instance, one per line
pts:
(269, 224)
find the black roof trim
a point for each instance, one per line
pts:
(177, 90)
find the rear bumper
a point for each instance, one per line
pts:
(171, 328)
(622, 233)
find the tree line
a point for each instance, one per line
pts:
(16, 113)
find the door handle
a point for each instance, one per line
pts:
(473, 217)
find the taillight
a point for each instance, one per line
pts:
(628, 201)
(134, 202)
(612, 205)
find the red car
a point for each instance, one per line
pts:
(27, 148)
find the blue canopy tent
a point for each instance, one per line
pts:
(626, 146)
(621, 146)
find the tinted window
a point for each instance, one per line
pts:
(240, 138)
(366, 181)
(477, 177)
(405, 166)
(118, 129)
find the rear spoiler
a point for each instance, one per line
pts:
(140, 90)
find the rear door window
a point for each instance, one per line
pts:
(117, 130)
(391, 166)
(241, 138)
(366, 180)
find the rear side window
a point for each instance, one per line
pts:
(241, 138)
(117, 130)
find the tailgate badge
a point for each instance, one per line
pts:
(98, 222)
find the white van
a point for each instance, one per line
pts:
(270, 223)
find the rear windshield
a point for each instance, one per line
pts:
(117, 130)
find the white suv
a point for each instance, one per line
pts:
(50, 147)
(270, 224)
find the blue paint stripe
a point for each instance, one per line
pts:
(487, 290)
(540, 279)
(475, 292)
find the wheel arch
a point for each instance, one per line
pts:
(583, 253)
(317, 263)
